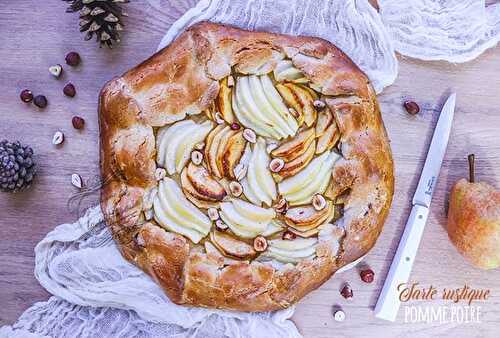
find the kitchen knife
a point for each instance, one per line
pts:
(399, 273)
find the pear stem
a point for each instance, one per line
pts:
(472, 175)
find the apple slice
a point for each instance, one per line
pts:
(302, 179)
(295, 147)
(212, 148)
(305, 98)
(205, 184)
(325, 119)
(305, 218)
(295, 166)
(223, 102)
(232, 247)
(329, 139)
(292, 101)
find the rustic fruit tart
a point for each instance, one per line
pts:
(242, 169)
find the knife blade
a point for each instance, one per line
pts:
(388, 303)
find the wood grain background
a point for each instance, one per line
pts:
(35, 35)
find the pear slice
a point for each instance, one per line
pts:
(164, 138)
(259, 176)
(291, 251)
(245, 225)
(253, 212)
(232, 247)
(305, 177)
(306, 217)
(329, 139)
(223, 102)
(306, 234)
(273, 227)
(196, 135)
(204, 183)
(231, 155)
(295, 147)
(293, 167)
(166, 222)
(285, 71)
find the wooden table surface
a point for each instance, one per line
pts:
(37, 34)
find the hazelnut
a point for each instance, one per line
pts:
(339, 315)
(58, 138)
(220, 225)
(367, 275)
(69, 90)
(40, 101)
(240, 171)
(319, 202)
(318, 104)
(282, 206)
(235, 126)
(276, 165)
(411, 107)
(26, 96)
(260, 243)
(235, 188)
(346, 291)
(213, 214)
(218, 118)
(160, 174)
(196, 157)
(78, 122)
(56, 70)
(249, 135)
(72, 59)
(288, 236)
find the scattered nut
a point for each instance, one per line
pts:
(218, 118)
(411, 107)
(367, 275)
(235, 126)
(199, 146)
(282, 205)
(76, 180)
(235, 188)
(318, 202)
(160, 174)
(318, 104)
(196, 157)
(240, 171)
(149, 214)
(260, 243)
(78, 122)
(73, 59)
(69, 90)
(40, 101)
(26, 96)
(346, 291)
(230, 81)
(58, 138)
(249, 135)
(288, 236)
(213, 214)
(339, 315)
(220, 225)
(276, 165)
(56, 70)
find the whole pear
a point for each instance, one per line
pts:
(474, 220)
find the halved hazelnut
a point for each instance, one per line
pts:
(260, 243)
(196, 157)
(319, 202)
(240, 171)
(289, 236)
(250, 135)
(160, 174)
(276, 165)
(318, 104)
(282, 205)
(235, 188)
(213, 214)
(220, 225)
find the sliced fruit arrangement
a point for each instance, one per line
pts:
(258, 106)
(291, 251)
(273, 227)
(245, 219)
(223, 150)
(200, 187)
(327, 131)
(301, 100)
(296, 153)
(175, 213)
(306, 221)
(285, 71)
(313, 179)
(258, 185)
(230, 246)
(176, 142)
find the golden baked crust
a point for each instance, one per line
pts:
(184, 79)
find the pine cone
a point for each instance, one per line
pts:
(17, 168)
(99, 17)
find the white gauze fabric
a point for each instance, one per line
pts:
(98, 294)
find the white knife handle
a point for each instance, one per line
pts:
(388, 302)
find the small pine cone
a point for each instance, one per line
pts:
(17, 168)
